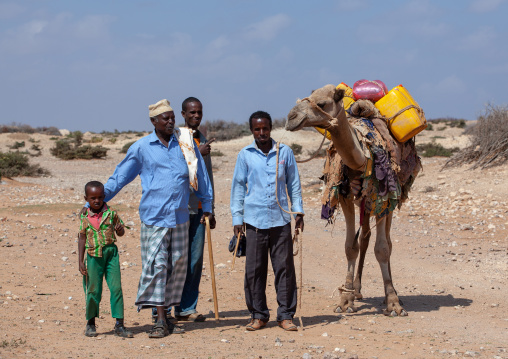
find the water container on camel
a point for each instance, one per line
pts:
(369, 90)
(405, 118)
(347, 102)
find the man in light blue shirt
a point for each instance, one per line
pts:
(163, 210)
(268, 227)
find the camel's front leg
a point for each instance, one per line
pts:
(347, 292)
(382, 249)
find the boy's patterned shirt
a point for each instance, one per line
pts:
(98, 238)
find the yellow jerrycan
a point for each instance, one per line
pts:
(348, 101)
(405, 118)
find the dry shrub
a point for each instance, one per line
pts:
(126, 147)
(489, 141)
(225, 131)
(66, 150)
(434, 149)
(13, 164)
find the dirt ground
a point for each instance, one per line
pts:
(449, 266)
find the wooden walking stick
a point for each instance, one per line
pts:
(212, 269)
(236, 249)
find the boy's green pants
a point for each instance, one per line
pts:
(98, 267)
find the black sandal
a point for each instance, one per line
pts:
(122, 332)
(159, 330)
(90, 330)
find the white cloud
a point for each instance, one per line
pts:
(351, 5)
(450, 85)
(268, 28)
(483, 38)
(9, 10)
(56, 33)
(216, 48)
(93, 26)
(482, 6)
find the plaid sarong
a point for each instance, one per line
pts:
(164, 254)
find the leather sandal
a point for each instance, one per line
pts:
(90, 330)
(255, 324)
(123, 332)
(194, 317)
(287, 325)
(159, 330)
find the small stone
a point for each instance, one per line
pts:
(306, 356)
(221, 265)
(291, 341)
(65, 259)
(278, 343)
(224, 340)
(494, 305)
(41, 321)
(66, 307)
(29, 309)
(324, 334)
(28, 318)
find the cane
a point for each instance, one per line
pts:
(212, 268)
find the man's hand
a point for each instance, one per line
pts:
(119, 229)
(211, 219)
(237, 230)
(356, 187)
(299, 222)
(205, 149)
(82, 268)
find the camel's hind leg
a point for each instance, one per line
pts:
(347, 293)
(383, 250)
(364, 244)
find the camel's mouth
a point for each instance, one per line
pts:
(295, 124)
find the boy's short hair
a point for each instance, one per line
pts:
(94, 184)
(260, 114)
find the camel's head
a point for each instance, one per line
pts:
(327, 98)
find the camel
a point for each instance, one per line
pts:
(324, 109)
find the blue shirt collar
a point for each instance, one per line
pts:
(153, 137)
(255, 147)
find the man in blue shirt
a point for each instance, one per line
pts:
(268, 227)
(160, 162)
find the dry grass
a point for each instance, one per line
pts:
(489, 141)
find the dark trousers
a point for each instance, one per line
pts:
(278, 242)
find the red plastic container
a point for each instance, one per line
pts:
(369, 90)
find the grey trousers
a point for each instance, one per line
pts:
(278, 242)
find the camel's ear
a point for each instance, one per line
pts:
(338, 95)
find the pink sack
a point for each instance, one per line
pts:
(369, 90)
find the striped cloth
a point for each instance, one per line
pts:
(164, 254)
(96, 238)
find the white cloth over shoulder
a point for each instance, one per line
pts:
(186, 141)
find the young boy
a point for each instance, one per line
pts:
(97, 234)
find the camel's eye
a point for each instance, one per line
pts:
(321, 105)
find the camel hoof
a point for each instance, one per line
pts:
(358, 296)
(403, 313)
(393, 313)
(338, 309)
(350, 310)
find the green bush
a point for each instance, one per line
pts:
(14, 164)
(112, 140)
(96, 139)
(429, 127)
(126, 147)
(433, 149)
(66, 150)
(17, 145)
(216, 153)
(297, 149)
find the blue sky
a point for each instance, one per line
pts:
(97, 65)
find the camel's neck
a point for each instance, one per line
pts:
(345, 142)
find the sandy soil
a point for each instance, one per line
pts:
(449, 266)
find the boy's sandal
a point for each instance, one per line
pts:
(121, 331)
(159, 330)
(194, 317)
(90, 331)
(287, 325)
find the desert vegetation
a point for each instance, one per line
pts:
(72, 147)
(489, 141)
